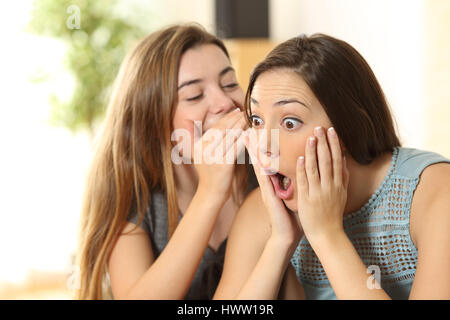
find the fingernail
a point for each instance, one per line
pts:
(318, 131)
(312, 141)
(301, 160)
(332, 131)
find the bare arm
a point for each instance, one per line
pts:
(430, 225)
(291, 288)
(134, 274)
(246, 241)
(254, 264)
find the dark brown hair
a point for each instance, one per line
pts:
(345, 86)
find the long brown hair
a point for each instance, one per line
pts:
(133, 153)
(345, 86)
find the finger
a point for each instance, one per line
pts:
(213, 146)
(228, 120)
(235, 146)
(253, 145)
(312, 172)
(233, 134)
(267, 191)
(220, 141)
(324, 157)
(302, 181)
(336, 155)
(240, 148)
(346, 174)
(250, 149)
(263, 179)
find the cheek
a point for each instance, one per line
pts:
(238, 97)
(183, 122)
(290, 149)
(185, 117)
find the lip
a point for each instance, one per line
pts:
(281, 193)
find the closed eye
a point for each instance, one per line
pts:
(230, 86)
(195, 98)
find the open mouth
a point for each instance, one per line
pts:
(282, 185)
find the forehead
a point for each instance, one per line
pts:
(281, 84)
(202, 61)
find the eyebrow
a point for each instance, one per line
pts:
(194, 81)
(226, 70)
(282, 102)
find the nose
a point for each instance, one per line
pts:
(220, 102)
(268, 146)
(267, 143)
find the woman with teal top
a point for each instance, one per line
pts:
(342, 211)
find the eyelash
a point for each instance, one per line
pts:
(294, 120)
(229, 86)
(195, 98)
(253, 117)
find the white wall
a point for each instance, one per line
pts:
(176, 11)
(389, 34)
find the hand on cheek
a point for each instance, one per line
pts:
(284, 226)
(322, 180)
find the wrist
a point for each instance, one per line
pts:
(282, 245)
(280, 250)
(207, 195)
(320, 241)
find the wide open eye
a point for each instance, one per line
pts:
(256, 121)
(292, 123)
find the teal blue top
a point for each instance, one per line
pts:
(379, 231)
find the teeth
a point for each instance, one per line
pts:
(285, 183)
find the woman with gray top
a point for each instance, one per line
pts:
(154, 224)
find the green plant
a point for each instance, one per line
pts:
(97, 39)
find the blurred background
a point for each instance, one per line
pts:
(59, 58)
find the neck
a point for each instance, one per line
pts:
(364, 180)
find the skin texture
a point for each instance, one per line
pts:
(326, 187)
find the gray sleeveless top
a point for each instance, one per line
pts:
(155, 223)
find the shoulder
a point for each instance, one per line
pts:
(434, 183)
(429, 230)
(438, 174)
(253, 206)
(430, 204)
(133, 245)
(253, 199)
(412, 162)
